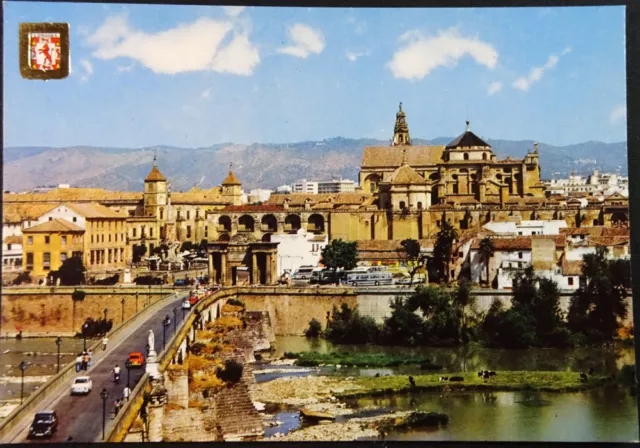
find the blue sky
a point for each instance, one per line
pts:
(191, 76)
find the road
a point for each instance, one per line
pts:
(80, 417)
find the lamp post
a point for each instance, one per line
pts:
(165, 324)
(58, 343)
(122, 302)
(23, 367)
(105, 312)
(175, 319)
(84, 334)
(128, 366)
(136, 302)
(149, 296)
(104, 395)
(147, 348)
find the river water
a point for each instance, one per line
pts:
(603, 415)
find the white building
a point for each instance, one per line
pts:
(527, 228)
(337, 186)
(12, 253)
(594, 184)
(259, 195)
(305, 186)
(301, 248)
(284, 189)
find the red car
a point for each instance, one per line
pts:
(136, 359)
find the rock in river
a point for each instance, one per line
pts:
(315, 416)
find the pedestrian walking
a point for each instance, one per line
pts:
(105, 340)
(116, 407)
(79, 362)
(90, 353)
(125, 393)
(85, 361)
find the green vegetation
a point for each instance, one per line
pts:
(486, 251)
(70, 273)
(340, 254)
(417, 260)
(232, 371)
(314, 330)
(139, 250)
(23, 277)
(347, 326)
(442, 250)
(503, 381)
(236, 302)
(600, 302)
(313, 359)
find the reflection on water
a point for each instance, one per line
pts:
(603, 415)
(474, 358)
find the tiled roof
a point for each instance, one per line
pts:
(506, 244)
(466, 140)
(55, 225)
(559, 239)
(391, 156)
(593, 231)
(298, 199)
(388, 245)
(609, 240)
(375, 255)
(212, 197)
(231, 179)
(571, 267)
(13, 239)
(155, 175)
(18, 213)
(59, 195)
(405, 175)
(94, 211)
(253, 208)
(615, 231)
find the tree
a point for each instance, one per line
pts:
(188, 246)
(340, 254)
(232, 371)
(77, 296)
(314, 330)
(139, 250)
(203, 248)
(71, 272)
(441, 321)
(403, 326)
(442, 249)
(486, 251)
(417, 259)
(600, 301)
(347, 326)
(464, 303)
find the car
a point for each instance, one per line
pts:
(179, 282)
(81, 386)
(44, 424)
(186, 305)
(136, 359)
(417, 280)
(331, 278)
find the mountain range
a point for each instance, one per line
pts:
(259, 165)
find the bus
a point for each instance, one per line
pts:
(369, 278)
(303, 273)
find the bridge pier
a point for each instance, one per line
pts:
(155, 412)
(177, 384)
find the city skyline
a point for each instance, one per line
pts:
(194, 76)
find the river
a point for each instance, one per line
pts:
(602, 415)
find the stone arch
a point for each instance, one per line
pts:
(292, 223)
(224, 223)
(371, 183)
(316, 223)
(619, 219)
(484, 156)
(246, 223)
(269, 223)
(434, 176)
(266, 238)
(465, 156)
(224, 237)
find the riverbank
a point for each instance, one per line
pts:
(314, 359)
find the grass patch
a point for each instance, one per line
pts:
(503, 381)
(312, 359)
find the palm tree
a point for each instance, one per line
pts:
(486, 251)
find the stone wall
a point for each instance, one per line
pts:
(50, 311)
(291, 310)
(184, 425)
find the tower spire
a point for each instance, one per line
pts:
(401, 129)
(468, 123)
(154, 159)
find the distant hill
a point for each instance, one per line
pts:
(258, 165)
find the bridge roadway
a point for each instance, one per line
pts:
(80, 417)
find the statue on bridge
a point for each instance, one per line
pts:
(152, 342)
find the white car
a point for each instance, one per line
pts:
(81, 386)
(186, 305)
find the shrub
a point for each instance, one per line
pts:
(347, 326)
(109, 280)
(232, 371)
(23, 277)
(314, 330)
(196, 348)
(627, 375)
(147, 280)
(96, 327)
(228, 308)
(236, 302)
(78, 295)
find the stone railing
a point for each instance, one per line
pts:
(127, 415)
(34, 401)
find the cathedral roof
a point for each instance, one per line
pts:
(467, 140)
(231, 179)
(391, 156)
(155, 175)
(405, 175)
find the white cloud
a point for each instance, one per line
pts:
(125, 68)
(196, 46)
(233, 11)
(618, 114)
(305, 39)
(524, 82)
(494, 88)
(421, 55)
(88, 69)
(354, 55)
(206, 94)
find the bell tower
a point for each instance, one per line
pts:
(401, 129)
(155, 193)
(232, 188)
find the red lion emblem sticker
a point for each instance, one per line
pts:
(44, 50)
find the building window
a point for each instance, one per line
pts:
(63, 239)
(30, 241)
(47, 239)
(46, 261)
(75, 219)
(570, 280)
(178, 214)
(93, 257)
(520, 255)
(134, 232)
(91, 238)
(50, 218)
(161, 214)
(102, 238)
(419, 205)
(581, 237)
(8, 246)
(188, 231)
(63, 257)
(206, 231)
(109, 237)
(197, 214)
(455, 188)
(151, 232)
(437, 223)
(402, 205)
(484, 156)
(519, 233)
(29, 260)
(519, 264)
(465, 156)
(188, 215)
(109, 255)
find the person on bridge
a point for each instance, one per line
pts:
(126, 392)
(90, 353)
(79, 362)
(116, 373)
(105, 340)
(116, 407)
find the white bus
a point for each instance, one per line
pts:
(369, 278)
(303, 273)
